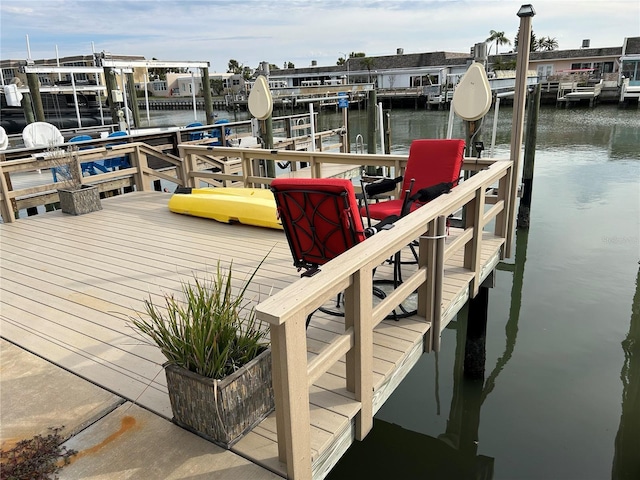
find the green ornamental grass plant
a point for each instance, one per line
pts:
(211, 331)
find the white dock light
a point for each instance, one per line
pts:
(526, 11)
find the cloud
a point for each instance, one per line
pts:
(295, 30)
(16, 10)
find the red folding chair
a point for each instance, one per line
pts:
(433, 168)
(321, 221)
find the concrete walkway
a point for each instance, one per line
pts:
(114, 438)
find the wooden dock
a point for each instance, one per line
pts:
(69, 285)
(569, 92)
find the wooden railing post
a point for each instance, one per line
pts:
(246, 169)
(182, 170)
(472, 260)
(439, 240)
(316, 168)
(358, 308)
(424, 249)
(502, 218)
(427, 256)
(140, 162)
(293, 421)
(191, 166)
(7, 207)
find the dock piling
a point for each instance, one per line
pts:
(476, 337)
(533, 109)
(34, 89)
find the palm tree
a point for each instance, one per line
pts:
(497, 37)
(501, 64)
(548, 44)
(234, 67)
(534, 45)
(368, 63)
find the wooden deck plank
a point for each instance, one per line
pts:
(125, 247)
(85, 367)
(120, 351)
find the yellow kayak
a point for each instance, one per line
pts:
(249, 206)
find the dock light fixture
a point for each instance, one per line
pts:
(526, 11)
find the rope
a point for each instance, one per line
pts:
(437, 237)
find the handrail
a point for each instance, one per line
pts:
(138, 174)
(352, 273)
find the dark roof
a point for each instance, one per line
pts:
(437, 59)
(561, 54)
(631, 46)
(387, 62)
(577, 53)
(303, 70)
(409, 60)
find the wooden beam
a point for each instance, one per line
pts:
(358, 305)
(289, 350)
(520, 93)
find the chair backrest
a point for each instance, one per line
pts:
(119, 162)
(41, 134)
(320, 218)
(195, 135)
(81, 138)
(117, 133)
(217, 132)
(433, 161)
(4, 139)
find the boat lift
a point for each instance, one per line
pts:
(129, 65)
(72, 71)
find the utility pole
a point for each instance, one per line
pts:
(206, 91)
(112, 86)
(34, 89)
(131, 91)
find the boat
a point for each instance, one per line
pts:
(249, 206)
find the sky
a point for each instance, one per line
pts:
(297, 31)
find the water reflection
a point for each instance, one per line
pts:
(511, 327)
(390, 451)
(626, 461)
(615, 131)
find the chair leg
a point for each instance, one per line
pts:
(397, 280)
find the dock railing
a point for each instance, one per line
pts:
(286, 312)
(151, 159)
(138, 175)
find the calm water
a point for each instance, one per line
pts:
(561, 394)
(560, 397)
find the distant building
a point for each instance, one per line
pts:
(415, 70)
(630, 69)
(421, 72)
(11, 69)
